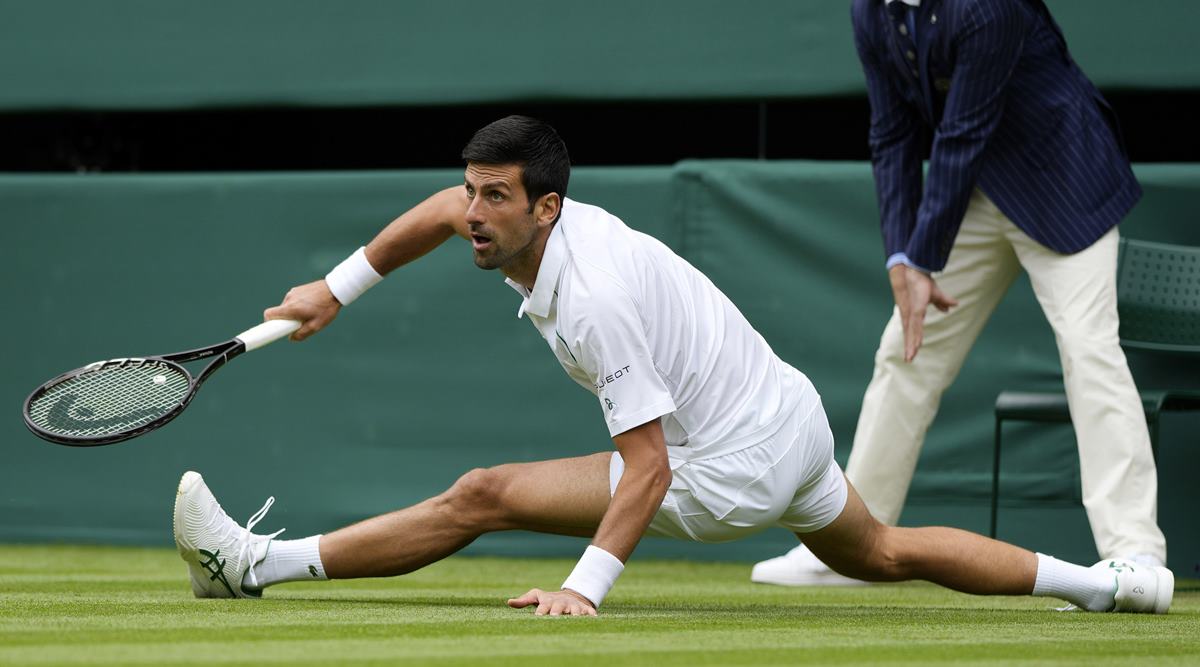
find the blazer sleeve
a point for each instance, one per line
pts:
(894, 139)
(988, 41)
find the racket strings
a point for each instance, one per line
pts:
(110, 400)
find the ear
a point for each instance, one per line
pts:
(546, 208)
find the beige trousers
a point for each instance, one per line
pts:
(1078, 295)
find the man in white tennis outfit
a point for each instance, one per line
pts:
(715, 436)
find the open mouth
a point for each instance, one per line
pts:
(479, 241)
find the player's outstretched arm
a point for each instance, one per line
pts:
(636, 499)
(421, 229)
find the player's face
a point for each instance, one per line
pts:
(503, 229)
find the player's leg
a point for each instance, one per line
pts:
(858, 545)
(829, 516)
(1078, 294)
(564, 496)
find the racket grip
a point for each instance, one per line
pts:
(266, 333)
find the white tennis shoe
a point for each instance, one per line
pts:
(799, 567)
(219, 553)
(1140, 589)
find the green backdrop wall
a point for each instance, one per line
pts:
(155, 54)
(431, 373)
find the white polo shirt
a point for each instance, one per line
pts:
(652, 337)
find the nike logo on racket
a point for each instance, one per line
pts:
(216, 568)
(60, 416)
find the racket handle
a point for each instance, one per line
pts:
(267, 332)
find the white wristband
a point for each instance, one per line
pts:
(352, 277)
(594, 574)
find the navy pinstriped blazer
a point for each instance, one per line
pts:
(1009, 112)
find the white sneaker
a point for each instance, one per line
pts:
(1140, 589)
(799, 567)
(219, 553)
(1146, 560)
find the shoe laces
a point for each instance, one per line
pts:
(258, 516)
(247, 544)
(230, 529)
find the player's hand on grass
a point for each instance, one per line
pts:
(312, 304)
(555, 603)
(914, 291)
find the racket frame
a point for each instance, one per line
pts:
(250, 339)
(222, 352)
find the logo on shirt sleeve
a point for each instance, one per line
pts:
(609, 379)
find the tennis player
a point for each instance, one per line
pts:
(716, 437)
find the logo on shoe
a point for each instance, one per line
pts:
(312, 570)
(216, 568)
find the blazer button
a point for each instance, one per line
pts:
(910, 54)
(903, 29)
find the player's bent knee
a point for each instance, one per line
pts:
(476, 493)
(873, 559)
(887, 561)
(886, 565)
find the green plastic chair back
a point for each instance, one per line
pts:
(1158, 296)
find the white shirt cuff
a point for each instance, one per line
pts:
(901, 258)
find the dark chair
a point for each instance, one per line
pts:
(1158, 301)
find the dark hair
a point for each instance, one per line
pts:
(530, 143)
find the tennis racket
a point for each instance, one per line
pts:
(110, 401)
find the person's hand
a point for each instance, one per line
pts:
(914, 291)
(555, 603)
(313, 305)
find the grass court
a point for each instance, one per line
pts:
(76, 605)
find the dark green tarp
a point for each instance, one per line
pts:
(169, 54)
(431, 373)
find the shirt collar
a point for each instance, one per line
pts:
(554, 258)
(910, 3)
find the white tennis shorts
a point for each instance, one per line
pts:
(789, 479)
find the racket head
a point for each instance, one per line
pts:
(109, 401)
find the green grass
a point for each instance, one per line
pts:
(109, 605)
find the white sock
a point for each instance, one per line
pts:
(290, 560)
(1090, 589)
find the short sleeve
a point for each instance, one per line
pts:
(607, 331)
